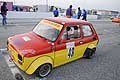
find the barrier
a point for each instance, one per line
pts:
(15, 14)
(35, 15)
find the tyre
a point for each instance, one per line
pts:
(44, 70)
(89, 53)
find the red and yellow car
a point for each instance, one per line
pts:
(53, 42)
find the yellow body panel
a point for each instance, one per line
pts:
(39, 61)
(61, 57)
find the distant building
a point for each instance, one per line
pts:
(22, 8)
(40, 8)
(9, 5)
(104, 12)
(12, 7)
(115, 12)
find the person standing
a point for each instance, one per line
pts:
(4, 13)
(84, 15)
(69, 12)
(79, 13)
(56, 12)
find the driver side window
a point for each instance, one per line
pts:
(71, 32)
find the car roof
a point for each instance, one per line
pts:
(65, 20)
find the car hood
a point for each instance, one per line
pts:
(30, 44)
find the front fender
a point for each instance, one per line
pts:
(38, 62)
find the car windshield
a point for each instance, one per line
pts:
(48, 29)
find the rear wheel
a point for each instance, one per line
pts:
(44, 70)
(89, 53)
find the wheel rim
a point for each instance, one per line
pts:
(44, 70)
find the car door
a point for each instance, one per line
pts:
(68, 48)
(89, 36)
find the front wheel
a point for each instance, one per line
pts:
(89, 53)
(44, 70)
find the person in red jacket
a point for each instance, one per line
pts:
(4, 13)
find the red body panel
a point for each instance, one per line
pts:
(67, 21)
(34, 46)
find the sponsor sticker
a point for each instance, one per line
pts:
(26, 38)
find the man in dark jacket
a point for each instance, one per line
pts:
(84, 15)
(56, 12)
(69, 12)
(79, 13)
(4, 13)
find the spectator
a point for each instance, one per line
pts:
(69, 13)
(4, 13)
(84, 15)
(56, 12)
(78, 13)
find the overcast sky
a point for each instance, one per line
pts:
(87, 4)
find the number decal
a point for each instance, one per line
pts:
(70, 46)
(70, 52)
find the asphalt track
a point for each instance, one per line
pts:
(104, 65)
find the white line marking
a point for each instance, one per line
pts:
(10, 63)
(12, 66)
(3, 50)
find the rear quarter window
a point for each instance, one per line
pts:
(87, 31)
